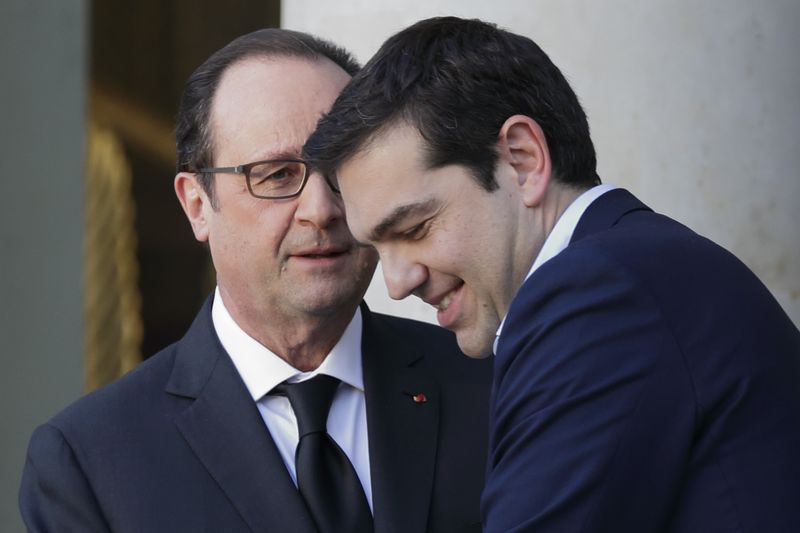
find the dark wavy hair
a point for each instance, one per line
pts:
(193, 137)
(457, 81)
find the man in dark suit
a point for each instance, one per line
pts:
(204, 435)
(645, 379)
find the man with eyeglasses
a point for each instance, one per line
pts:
(288, 406)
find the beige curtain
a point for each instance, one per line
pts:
(113, 331)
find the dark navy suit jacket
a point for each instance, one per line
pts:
(645, 380)
(179, 445)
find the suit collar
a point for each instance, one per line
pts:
(605, 212)
(196, 356)
(403, 432)
(225, 430)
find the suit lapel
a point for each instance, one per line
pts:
(402, 432)
(606, 211)
(225, 430)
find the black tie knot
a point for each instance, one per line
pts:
(311, 401)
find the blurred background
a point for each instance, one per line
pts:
(693, 106)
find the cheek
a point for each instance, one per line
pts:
(460, 254)
(452, 239)
(271, 227)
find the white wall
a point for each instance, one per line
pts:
(694, 106)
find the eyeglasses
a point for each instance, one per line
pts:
(275, 179)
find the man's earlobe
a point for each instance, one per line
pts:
(523, 145)
(194, 202)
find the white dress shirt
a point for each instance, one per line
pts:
(262, 370)
(562, 232)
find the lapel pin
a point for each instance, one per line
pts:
(418, 397)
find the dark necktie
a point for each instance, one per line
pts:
(325, 478)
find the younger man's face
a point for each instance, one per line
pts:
(439, 234)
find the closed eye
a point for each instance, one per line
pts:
(400, 216)
(417, 232)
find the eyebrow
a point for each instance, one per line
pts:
(278, 155)
(399, 215)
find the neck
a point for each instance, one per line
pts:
(539, 221)
(306, 343)
(302, 340)
(557, 199)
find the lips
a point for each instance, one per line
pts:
(447, 305)
(322, 251)
(442, 300)
(316, 257)
(320, 255)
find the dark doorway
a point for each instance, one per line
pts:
(140, 56)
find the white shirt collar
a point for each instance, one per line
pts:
(562, 232)
(262, 370)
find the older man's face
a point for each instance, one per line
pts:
(279, 258)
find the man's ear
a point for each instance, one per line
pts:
(194, 202)
(522, 144)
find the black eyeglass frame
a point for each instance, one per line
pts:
(246, 168)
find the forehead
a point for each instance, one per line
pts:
(394, 151)
(389, 159)
(271, 104)
(388, 174)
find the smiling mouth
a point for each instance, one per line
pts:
(445, 303)
(447, 299)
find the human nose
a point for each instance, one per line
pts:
(318, 203)
(402, 275)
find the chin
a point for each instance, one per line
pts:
(478, 354)
(475, 348)
(328, 300)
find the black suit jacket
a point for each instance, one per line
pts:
(645, 381)
(179, 445)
